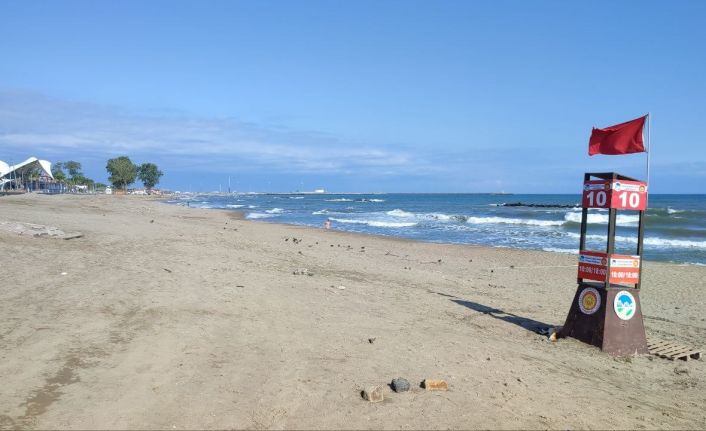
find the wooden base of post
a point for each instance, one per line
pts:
(607, 318)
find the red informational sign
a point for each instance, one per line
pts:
(593, 265)
(618, 194)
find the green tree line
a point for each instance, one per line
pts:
(123, 172)
(69, 173)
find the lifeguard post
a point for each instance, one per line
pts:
(606, 310)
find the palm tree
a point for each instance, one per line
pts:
(58, 171)
(33, 177)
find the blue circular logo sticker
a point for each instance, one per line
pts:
(624, 305)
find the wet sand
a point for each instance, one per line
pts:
(168, 317)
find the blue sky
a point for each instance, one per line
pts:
(443, 96)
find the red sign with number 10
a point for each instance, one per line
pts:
(622, 195)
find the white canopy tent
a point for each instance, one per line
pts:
(11, 173)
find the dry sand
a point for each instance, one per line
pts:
(170, 317)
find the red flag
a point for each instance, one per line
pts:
(624, 138)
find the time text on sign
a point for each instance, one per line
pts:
(624, 269)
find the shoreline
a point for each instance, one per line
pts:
(163, 317)
(243, 215)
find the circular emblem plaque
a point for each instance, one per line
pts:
(589, 300)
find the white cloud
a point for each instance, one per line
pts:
(39, 124)
(55, 129)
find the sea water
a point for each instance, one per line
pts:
(675, 224)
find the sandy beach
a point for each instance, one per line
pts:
(160, 316)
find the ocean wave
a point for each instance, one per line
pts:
(320, 212)
(654, 241)
(620, 219)
(422, 216)
(400, 213)
(439, 216)
(375, 223)
(390, 224)
(673, 211)
(258, 215)
(589, 237)
(561, 250)
(504, 220)
(339, 200)
(663, 242)
(234, 206)
(296, 197)
(275, 211)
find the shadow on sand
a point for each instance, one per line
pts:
(523, 322)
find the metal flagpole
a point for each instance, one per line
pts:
(649, 145)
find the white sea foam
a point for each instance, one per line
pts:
(400, 213)
(657, 242)
(375, 223)
(623, 219)
(252, 206)
(258, 215)
(376, 200)
(235, 206)
(296, 197)
(561, 250)
(438, 216)
(673, 211)
(275, 211)
(420, 216)
(339, 200)
(319, 212)
(504, 220)
(680, 243)
(390, 224)
(620, 219)
(349, 221)
(595, 237)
